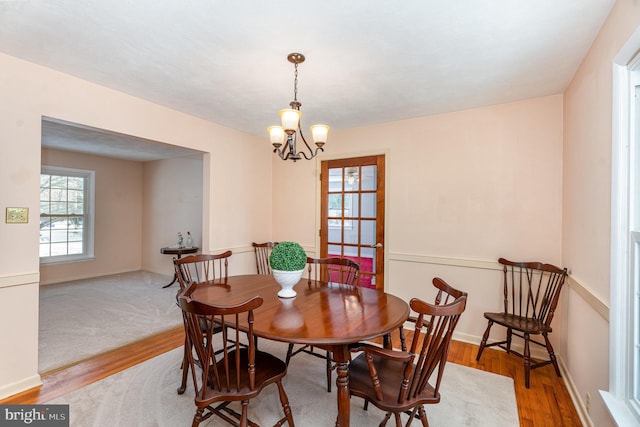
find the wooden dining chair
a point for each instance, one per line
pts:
(199, 268)
(404, 381)
(337, 271)
(445, 294)
(240, 374)
(262, 251)
(530, 295)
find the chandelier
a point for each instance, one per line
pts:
(290, 128)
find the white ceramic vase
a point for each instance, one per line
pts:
(287, 280)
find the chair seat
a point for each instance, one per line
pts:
(390, 374)
(519, 323)
(269, 369)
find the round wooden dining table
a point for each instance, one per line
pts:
(328, 315)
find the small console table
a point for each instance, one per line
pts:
(178, 252)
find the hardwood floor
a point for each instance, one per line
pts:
(546, 403)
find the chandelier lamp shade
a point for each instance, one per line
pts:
(284, 138)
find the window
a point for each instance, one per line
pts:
(623, 397)
(66, 219)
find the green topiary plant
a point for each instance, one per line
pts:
(288, 256)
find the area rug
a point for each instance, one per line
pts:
(145, 395)
(83, 318)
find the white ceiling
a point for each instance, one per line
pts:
(368, 61)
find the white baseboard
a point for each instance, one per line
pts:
(584, 416)
(20, 386)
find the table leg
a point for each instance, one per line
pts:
(341, 355)
(175, 276)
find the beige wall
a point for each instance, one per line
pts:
(587, 206)
(463, 189)
(118, 216)
(172, 203)
(237, 197)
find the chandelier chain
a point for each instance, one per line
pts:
(295, 83)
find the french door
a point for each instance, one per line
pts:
(352, 218)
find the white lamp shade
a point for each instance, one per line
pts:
(276, 134)
(290, 118)
(320, 133)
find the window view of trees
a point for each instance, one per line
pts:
(62, 215)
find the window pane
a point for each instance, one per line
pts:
(351, 179)
(351, 231)
(335, 231)
(369, 205)
(76, 196)
(58, 181)
(58, 249)
(58, 195)
(368, 259)
(368, 236)
(351, 205)
(75, 183)
(335, 179)
(76, 208)
(334, 250)
(44, 250)
(335, 205)
(369, 178)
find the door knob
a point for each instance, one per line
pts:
(376, 246)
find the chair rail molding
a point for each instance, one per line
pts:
(19, 280)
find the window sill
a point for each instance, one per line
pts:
(618, 410)
(66, 259)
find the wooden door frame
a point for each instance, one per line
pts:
(318, 221)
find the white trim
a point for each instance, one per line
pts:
(619, 410)
(455, 262)
(592, 299)
(19, 280)
(578, 403)
(20, 386)
(620, 326)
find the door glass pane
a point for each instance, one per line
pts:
(334, 250)
(335, 179)
(369, 178)
(368, 232)
(351, 179)
(351, 205)
(368, 259)
(335, 205)
(351, 231)
(369, 205)
(335, 231)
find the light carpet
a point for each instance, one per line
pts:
(83, 318)
(145, 395)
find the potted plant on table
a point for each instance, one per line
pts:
(287, 261)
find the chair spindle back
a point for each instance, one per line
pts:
(202, 268)
(532, 289)
(262, 251)
(430, 345)
(237, 368)
(335, 270)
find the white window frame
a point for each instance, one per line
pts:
(624, 369)
(88, 232)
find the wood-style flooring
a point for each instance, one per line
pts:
(546, 403)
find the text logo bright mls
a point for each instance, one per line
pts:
(34, 415)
